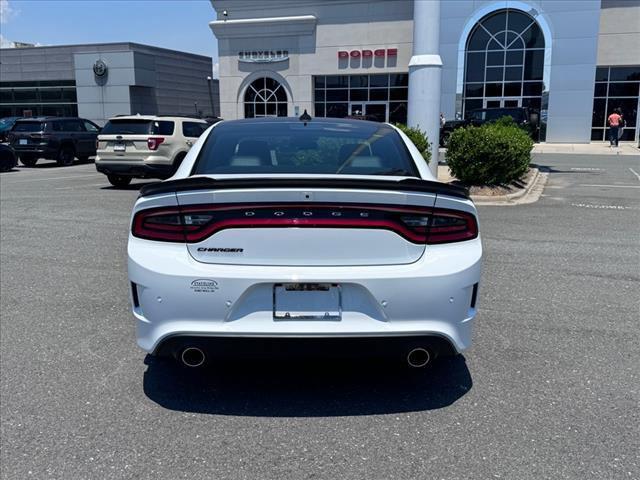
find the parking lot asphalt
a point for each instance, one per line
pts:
(550, 388)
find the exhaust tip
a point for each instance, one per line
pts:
(418, 357)
(192, 357)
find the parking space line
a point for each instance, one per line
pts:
(611, 186)
(75, 187)
(635, 173)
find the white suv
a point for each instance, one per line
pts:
(143, 146)
(319, 236)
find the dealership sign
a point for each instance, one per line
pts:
(378, 53)
(263, 56)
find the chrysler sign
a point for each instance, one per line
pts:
(263, 56)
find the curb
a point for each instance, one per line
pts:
(535, 187)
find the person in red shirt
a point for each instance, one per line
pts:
(615, 122)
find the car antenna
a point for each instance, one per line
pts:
(305, 117)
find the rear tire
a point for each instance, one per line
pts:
(119, 181)
(28, 160)
(177, 162)
(66, 156)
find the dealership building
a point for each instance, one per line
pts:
(100, 81)
(571, 61)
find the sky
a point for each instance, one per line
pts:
(176, 24)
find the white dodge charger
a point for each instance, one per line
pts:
(285, 236)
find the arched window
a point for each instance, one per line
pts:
(504, 62)
(265, 97)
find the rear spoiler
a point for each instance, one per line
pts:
(206, 183)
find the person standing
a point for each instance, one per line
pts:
(614, 120)
(442, 120)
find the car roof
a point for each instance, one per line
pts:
(158, 117)
(328, 121)
(43, 119)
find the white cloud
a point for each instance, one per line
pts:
(4, 43)
(6, 11)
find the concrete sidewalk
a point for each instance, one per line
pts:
(599, 148)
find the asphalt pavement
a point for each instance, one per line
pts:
(549, 390)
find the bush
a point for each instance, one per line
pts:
(492, 154)
(419, 139)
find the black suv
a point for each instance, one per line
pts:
(56, 138)
(525, 117)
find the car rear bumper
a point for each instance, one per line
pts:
(34, 150)
(433, 297)
(133, 169)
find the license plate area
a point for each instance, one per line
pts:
(307, 301)
(23, 141)
(119, 147)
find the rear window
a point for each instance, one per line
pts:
(28, 127)
(193, 129)
(138, 127)
(320, 147)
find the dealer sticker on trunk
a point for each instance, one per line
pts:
(204, 285)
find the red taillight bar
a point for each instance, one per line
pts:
(416, 224)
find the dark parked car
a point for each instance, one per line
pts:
(524, 117)
(6, 124)
(55, 138)
(8, 158)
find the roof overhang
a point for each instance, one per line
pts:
(264, 27)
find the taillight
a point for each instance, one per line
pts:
(154, 142)
(194, 223)
(447, 226)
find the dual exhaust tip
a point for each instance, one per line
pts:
(194, 357)
(419, 357)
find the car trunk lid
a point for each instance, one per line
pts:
(304, 221)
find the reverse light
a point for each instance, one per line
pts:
(194, 223)
(154, 142)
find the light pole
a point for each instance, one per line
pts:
(425, 74)
(209, 80)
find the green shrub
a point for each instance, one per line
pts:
(493, 154)
(419, 139)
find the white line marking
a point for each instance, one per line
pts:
(587, 169)
(612, 186)
(54, 178)
(600, 207)
(635, 173)
(82, 186)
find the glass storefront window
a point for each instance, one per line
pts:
(265, 97)
(504, 62)
(616, 87)
(379, 97)
(43, 97)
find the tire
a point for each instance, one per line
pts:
(119, 181)
(66, 156)
(28, 160)
(177, 162)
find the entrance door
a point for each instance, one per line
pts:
(504, 102)
(375, 111)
